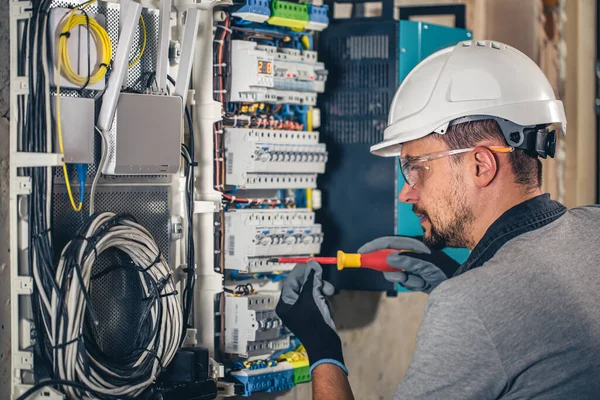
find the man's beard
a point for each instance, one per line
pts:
(452, 235)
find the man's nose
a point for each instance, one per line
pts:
(408, 194)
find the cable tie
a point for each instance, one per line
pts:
(42, 233)
(70, 342)
(92, 241)
(173, 293)
(194, 164)
(156, 261)
(104, 65)
(219, 41)
(226, 29)
(66, 34)
(220, 65)
(220, 91)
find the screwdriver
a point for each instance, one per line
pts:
(376, 260)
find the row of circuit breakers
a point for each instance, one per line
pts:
(270, 157)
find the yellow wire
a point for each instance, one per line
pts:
(309, 128)
(103, 43)
(141, 53)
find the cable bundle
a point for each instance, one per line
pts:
(75, 357)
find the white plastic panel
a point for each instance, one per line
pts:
(254, 236)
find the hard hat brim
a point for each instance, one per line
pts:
(545, 112)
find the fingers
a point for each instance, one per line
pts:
(414, 282)
(398, 277)
(328, 289)
(406, 262)
(297, 278)
(395, 242)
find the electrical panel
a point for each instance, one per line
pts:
(158, 172)
(370, 56)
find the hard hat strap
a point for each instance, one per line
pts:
(536, 140)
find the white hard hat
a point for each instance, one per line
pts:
(476, 80)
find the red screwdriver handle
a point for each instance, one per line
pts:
(377, 260)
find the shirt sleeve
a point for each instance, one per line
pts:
(455, 357)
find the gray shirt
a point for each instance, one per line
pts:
(524, 325)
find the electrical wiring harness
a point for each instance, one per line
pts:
(75, 356)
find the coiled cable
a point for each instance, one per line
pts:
(75, 357)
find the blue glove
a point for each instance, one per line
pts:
(304, 310)
(421, 270)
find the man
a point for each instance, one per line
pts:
(520, 318)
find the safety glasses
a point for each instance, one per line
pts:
(414, 169)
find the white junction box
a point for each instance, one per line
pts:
(145, 138)
(275, 75)
(259, 151)
(252, 237)
(252, 328)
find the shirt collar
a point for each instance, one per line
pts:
(522, 218)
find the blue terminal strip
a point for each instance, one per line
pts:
(268, 379)
(254, 10)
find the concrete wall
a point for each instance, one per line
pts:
(4, 270)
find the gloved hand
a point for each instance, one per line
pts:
(304, 310)
(422, 269)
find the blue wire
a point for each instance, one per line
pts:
(82, 170)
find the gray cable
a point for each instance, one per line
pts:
(99, 169)
(134, 240)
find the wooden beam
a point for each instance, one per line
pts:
(581, 165)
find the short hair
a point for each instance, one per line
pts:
(526, 168)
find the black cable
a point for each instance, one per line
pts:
(188, 292)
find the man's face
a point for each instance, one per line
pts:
(440, 198)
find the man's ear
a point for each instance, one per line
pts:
(484, 166)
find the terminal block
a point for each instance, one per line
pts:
(254, 152)
(269, 379)
(255, 235)
(318, 19)
(299, 361)
(254, 10)
(283, 13)
(261, 73)
(288, 14)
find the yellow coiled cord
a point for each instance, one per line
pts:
(103, 44)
